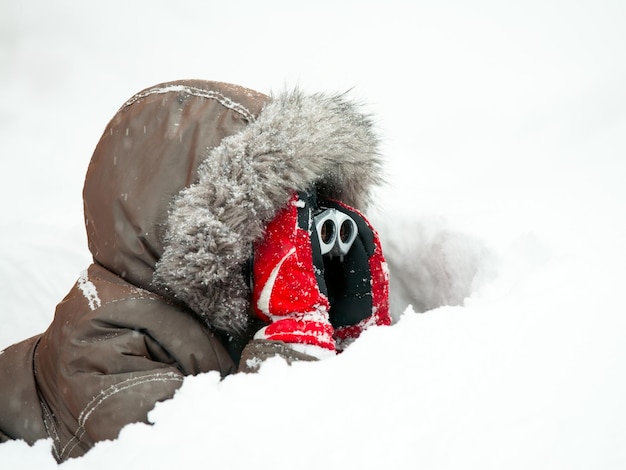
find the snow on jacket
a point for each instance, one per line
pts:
(182, 183)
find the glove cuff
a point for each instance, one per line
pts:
(311, 333)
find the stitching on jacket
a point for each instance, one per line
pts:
(124, 299)
(108, 393)
(46, 414)
(209, 94)
(51, 429)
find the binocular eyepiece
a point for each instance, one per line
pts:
(336, 232)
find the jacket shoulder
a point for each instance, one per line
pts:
(105, 313)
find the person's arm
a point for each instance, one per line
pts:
(20, 412)
(111, 366)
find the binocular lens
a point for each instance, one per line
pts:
(336, 232)
(345, 231)
(327, 231)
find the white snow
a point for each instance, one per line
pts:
(89, 290)
(504, 123)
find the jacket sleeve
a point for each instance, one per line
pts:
(109, 367)
(20, 412)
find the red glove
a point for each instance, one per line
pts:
(320, 277)
(289, 288)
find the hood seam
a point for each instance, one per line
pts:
(193, 91)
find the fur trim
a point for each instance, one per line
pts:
(296, 142)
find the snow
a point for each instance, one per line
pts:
(504, 124)
(89, 290)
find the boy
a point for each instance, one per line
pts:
(225, 228)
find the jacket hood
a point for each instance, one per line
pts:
(187, 175)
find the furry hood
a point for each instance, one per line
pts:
(189, 173)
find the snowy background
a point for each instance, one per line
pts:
(505, 128)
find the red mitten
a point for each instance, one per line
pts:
(289, 290)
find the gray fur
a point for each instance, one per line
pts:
(297, 140)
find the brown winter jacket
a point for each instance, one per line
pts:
(182, 183)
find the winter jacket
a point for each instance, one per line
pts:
(181, 185)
